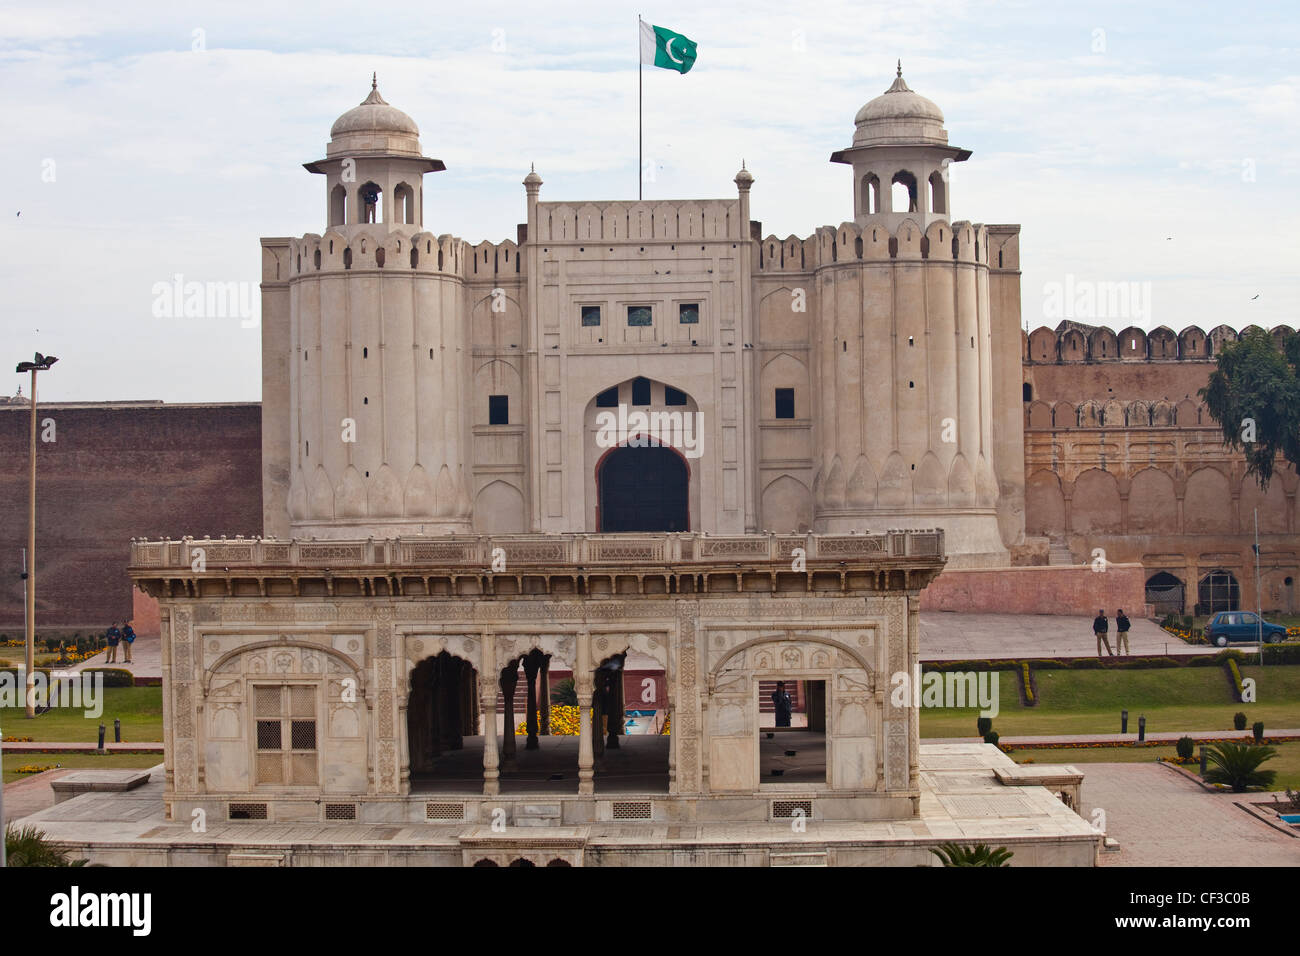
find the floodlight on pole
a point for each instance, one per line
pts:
(40, 363)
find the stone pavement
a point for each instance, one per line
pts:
(146, 658)
(1162, 819)
(951, 635)
(31, 794)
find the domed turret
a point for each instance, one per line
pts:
(900, 156)
(373, 168)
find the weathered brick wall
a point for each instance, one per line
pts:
(116, 471)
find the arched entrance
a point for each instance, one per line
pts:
(442, 725)
(1164, 592)
(643, 489)
(1218, 591)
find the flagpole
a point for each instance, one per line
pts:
(639, 126)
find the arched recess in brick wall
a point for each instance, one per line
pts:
(778, 322)
(1042, 345)
(787, 505)
(1185, 413)
(1095, 505)
(1065, 415)
(1271, 505)
(1040, 415)
(1152, 507)
(496, 321)
(1208, 503)
(1044, 504)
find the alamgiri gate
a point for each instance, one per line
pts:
(487, 466)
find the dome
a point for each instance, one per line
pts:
(899, 116)
(374, 115)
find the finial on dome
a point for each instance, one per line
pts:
(374, 80)
(900, 67)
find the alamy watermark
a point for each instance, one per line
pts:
(683, 431)
(179, 299)
(1085, 299)
(953, 689)
(72, 689)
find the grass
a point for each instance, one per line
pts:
(139, 708)
(1173, 700)
(80, 761)
(1286, 763)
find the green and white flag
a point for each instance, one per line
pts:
(662, 47)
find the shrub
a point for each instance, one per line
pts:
(28, 847)
(1185, 747)
(991, 738)
(983, 725)
(1235, 673)
(1238, 721)
(113, 676)
(1237, 765)
(981, 854)
(564, 693)
(1257, 728)
(1029, 684)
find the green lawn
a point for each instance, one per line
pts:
(1089, 701)
(139, 708)
(1286, 763)
(88, 761)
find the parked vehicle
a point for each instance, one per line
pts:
(1242, 626)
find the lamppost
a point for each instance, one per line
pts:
(42, 363)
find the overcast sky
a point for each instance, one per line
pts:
(1135, 142)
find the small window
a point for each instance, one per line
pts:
(608, 398)
(1027, 392)
(673, 396)
(590, 315)
(498, 409)
(639, 315)
(641, 391)
(785, 403)
(689, 314)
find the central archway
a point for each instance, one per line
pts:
(643, 489)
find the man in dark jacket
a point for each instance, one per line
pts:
(1121, 628)
(782, 705)
(1101, 627)
(114, 636)
(128, 638)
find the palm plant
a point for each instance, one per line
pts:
(981, 854)
(28, 847)
(1237, 765)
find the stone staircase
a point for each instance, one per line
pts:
(1059, 553)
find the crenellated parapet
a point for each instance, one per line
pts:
(671, 220)
(361, 249)
(963, 242)
(1076, 342)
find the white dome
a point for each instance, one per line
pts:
(899, 116)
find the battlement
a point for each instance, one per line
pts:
(848, 242)
(710, 219)
(1077, 342)
(422, 252)
(1114, 413)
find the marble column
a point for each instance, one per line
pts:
(531, 664)
(489, 684)
(582, 684)
(509, 679)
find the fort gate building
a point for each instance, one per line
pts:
(638, 430)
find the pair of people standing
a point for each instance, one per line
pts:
(125, 637)
(1101, 628)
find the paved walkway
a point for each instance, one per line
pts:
(1053, 740)
(32, 794)
(146, 658)
(1162, 819)
(951, 635)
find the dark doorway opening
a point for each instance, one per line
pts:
(792, 731)
(643, 489)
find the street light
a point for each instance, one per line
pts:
(42, 363)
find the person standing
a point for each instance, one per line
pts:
(1101, 628)
(781, 705)
(114, 637)
(128, 638)
(1121, 629)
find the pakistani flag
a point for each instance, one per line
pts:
(662, 47)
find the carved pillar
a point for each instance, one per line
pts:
(531, 665)
(582, 685)
(544, 695)
(509, 679)
(488, 686)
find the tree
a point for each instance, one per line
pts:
(1254, 395)
(1237, 765)
(28, 846)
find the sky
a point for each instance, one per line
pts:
(1152, 143)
